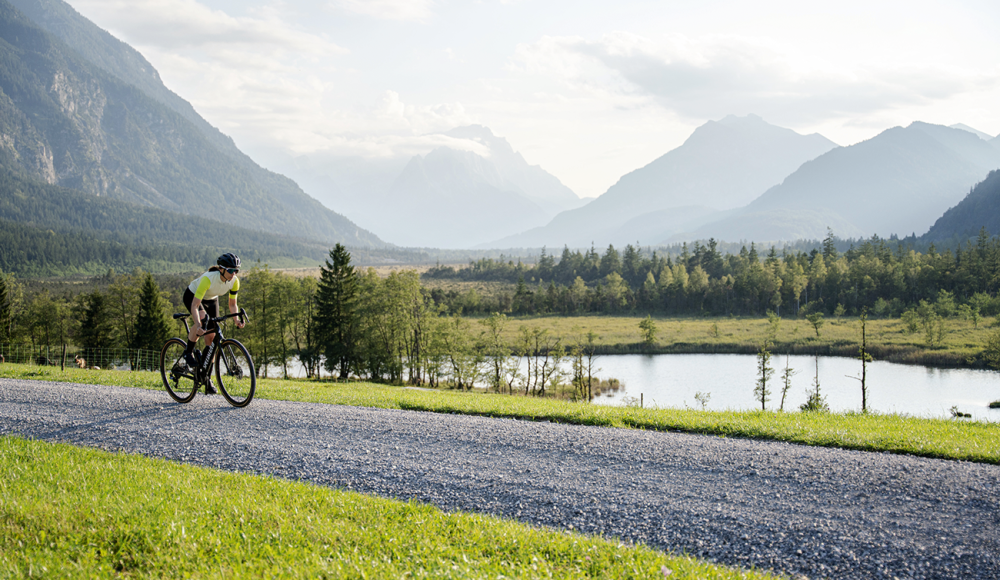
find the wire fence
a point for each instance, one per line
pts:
(64, 356)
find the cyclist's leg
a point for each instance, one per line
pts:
(211, 308)
(192, 338)
(211, 311)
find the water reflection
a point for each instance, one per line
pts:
(673, 381)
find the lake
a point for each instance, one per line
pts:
(671, 380)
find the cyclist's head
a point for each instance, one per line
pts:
(229, 261)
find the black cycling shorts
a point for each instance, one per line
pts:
(211, 308)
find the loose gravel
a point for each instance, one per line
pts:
(804, 511)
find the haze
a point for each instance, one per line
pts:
(588, 91)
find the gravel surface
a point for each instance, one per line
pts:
(819, 513)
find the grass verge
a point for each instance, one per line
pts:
(72, 512)
(939, 438)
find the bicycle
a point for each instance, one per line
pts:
(234, 370)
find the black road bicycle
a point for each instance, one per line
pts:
(234, 370)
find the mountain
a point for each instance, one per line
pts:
(448, 198)
(87, 112)
(515, 174)
(348, 183)
(897, 182)
(723, 165)
(979, 209)
(976, 132)
(46, 230)
(452, 199)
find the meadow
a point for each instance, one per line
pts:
(962, 343)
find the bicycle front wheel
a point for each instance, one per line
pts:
(234, 373)
(177, 378)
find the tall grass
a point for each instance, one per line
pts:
(940, 438)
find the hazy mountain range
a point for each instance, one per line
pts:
(448, 198)
(81, 110)
(723, 165)
(898, 182)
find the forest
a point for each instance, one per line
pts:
(353, 323)
(885, 276)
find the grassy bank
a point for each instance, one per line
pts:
(888, 339)
(83, 513)
(940, 438)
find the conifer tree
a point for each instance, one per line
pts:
(335, 317)
(96, 327)
(151, 326)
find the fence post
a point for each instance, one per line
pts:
(62, 365)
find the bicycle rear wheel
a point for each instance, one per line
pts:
(177, 378)
(234, 373)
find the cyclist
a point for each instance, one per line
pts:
(202, 297)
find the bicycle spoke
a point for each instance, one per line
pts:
(177, 378)
(234, 372)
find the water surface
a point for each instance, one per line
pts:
(672, 380)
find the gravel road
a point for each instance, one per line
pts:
(819, 513)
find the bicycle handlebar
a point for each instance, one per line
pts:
(242, 314)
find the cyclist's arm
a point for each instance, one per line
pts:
(203, 286)
(233, 307)
(196, 317)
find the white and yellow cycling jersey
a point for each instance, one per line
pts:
(210, 286)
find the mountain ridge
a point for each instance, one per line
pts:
(151, 149)
(895, 183)
(439, 198)
(722, 165)
(979, 209)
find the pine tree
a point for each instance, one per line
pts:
(335, 317)
(96, 327)
(151, 326)
(829, 247)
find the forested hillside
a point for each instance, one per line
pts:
(48, 230)
(980, 209)
(69, 122)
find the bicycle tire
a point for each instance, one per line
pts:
(180, 384)
(235, 373)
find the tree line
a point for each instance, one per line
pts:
(348, 323)
(888, 277)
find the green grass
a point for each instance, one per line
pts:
(67, 512)
(940, 438)
(887, 338)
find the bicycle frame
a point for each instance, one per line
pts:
(205, 368)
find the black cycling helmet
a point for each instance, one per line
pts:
(229, 260)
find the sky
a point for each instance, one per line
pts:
(587, 90)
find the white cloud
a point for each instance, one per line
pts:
(713, 76)
(414, 10)
(188, 24)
